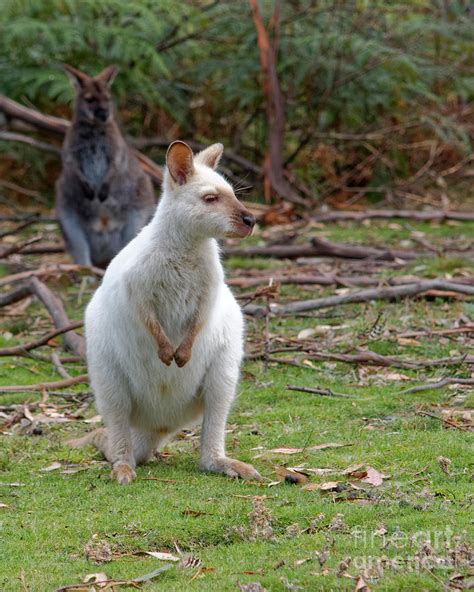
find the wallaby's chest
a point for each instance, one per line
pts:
(177, 292)
(93, 153)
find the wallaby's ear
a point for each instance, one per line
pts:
(210, 156)
(179, 160)
(78, 78)
(108, 75)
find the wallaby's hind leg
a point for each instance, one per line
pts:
(143, 444)
(219, 391)
(75, 237)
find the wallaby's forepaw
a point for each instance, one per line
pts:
(166, 354)
(182, 355)
(232, 468)
(123, 474)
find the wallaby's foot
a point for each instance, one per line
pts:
(232, 468)
(123, 473)
(182, 355)
(166, 353)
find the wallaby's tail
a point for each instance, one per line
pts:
(97, 438)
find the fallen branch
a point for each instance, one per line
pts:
(321, 248)
(59, 366)
(14, 296)
(365, 357)
(21, 350)
(50, 270)
(315, 391)
(429, 332)
(55, 307)
(436, 385)
(22, 139)
(424, 215)
(44, 386)
(384, 293)
(19, 246)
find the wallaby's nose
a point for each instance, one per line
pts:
(248, 220)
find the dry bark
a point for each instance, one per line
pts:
(268, 50)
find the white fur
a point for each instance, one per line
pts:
(173, 262)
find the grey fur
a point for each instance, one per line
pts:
(103, 197)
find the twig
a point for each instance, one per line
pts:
(321, 248)
(436, 385)
(44, 386)
(55, 307)
(315, 391)
(424, 215)
(19, 246)
(14, 296)
(428, 332)
(59, 367)
(14, 137)
(384, 293)
(20, 350)
(444, 420)
(21, 226)
(49, 270)
(369, 358)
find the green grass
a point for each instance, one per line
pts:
(50, 517)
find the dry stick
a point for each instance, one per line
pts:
(55, 307)
(384, 293)
(445, 420)
(14, 296)
(19, 246)
(426, 215)
(436, 385)
(369, 358)
(21, 350)
(19, 227)
(330, 280)
(44, 248)
(429, 332)
(321, 248)
(13, 137)
(82, 378)
(59, 367)
(315, 391)
(50, 270)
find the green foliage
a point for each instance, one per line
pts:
(345, 66)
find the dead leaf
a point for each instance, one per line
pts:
(327, 486)
(306, 333)
(96, 578)
(291, 476)
(162, 556)
(2, 505)
(52, 467)
(287, 450)
(373, 477)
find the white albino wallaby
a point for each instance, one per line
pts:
(164, 333)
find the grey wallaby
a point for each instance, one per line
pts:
(103, 197)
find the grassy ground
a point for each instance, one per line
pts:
(409, 533)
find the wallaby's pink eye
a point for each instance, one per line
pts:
(210, 198)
